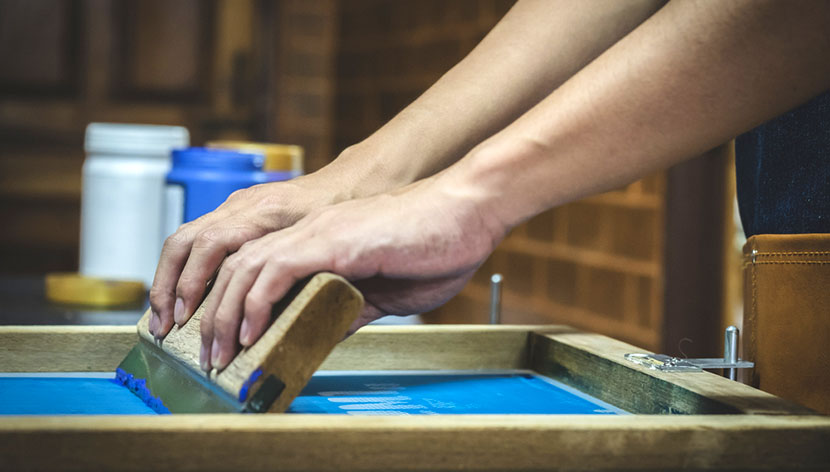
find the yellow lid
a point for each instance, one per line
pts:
(278, 157)
(76, 289)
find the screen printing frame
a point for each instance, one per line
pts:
(717, 424)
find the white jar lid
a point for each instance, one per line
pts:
(120, 138)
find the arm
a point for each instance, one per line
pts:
(535, 48)
(692, 76)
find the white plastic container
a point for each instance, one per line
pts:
(122, 199)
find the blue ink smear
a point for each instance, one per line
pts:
(243, 392)
(139, 388)
(68, 396)
(390, 394)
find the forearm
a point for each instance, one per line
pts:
(691, 77)
(536, 47)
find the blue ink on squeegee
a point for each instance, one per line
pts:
(139, 387)
(243, 392)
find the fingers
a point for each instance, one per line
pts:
(227, 318)
(191, 256)
(163, 292)
(270, 287)
(206, 323)
(220, 322)
(294, 256)
(209, 248)
(238, 308)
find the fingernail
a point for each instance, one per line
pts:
(178, 312)
(203, 358)
(244, 333)
(214, 355)
(153, 323)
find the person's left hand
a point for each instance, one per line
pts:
(407, 252)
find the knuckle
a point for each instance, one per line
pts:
(246, 249)
(270, 200)
(189, 285)
(223, 328)
(255, 306)
(208, 238)
(241, 194)
(181, 237)
(206, 328)
(158, 296)
(242, 260)
(233, 263)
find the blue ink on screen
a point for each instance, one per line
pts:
(376, 393)
(51, 395)
(420, 393)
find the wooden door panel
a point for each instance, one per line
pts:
(39, 42)
(163, 49)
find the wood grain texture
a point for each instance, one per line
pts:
(438, 347)
(101, 348)
(595, 364)
(498, 442)
(765, 439)
(309, 322)
(64, 348)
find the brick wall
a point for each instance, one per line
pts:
(595, 264)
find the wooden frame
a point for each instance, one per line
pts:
(724, 426)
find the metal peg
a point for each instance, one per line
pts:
(730, 351)
(495, 298)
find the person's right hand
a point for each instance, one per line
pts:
(192, 255)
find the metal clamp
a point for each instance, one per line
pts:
(729, 362)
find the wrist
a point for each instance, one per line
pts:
(362, 170)
(499, 176)
(412, 146)
(358, 172)
(477, 192)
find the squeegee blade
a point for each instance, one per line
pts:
(167, 386)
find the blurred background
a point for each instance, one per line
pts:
(655, 263)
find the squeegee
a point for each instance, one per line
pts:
(265, 377)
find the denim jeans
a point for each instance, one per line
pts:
(783, 172)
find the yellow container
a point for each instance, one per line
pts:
(278, 157)
(76, 289)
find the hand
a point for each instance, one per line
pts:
(408, 252)
(192, 255)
